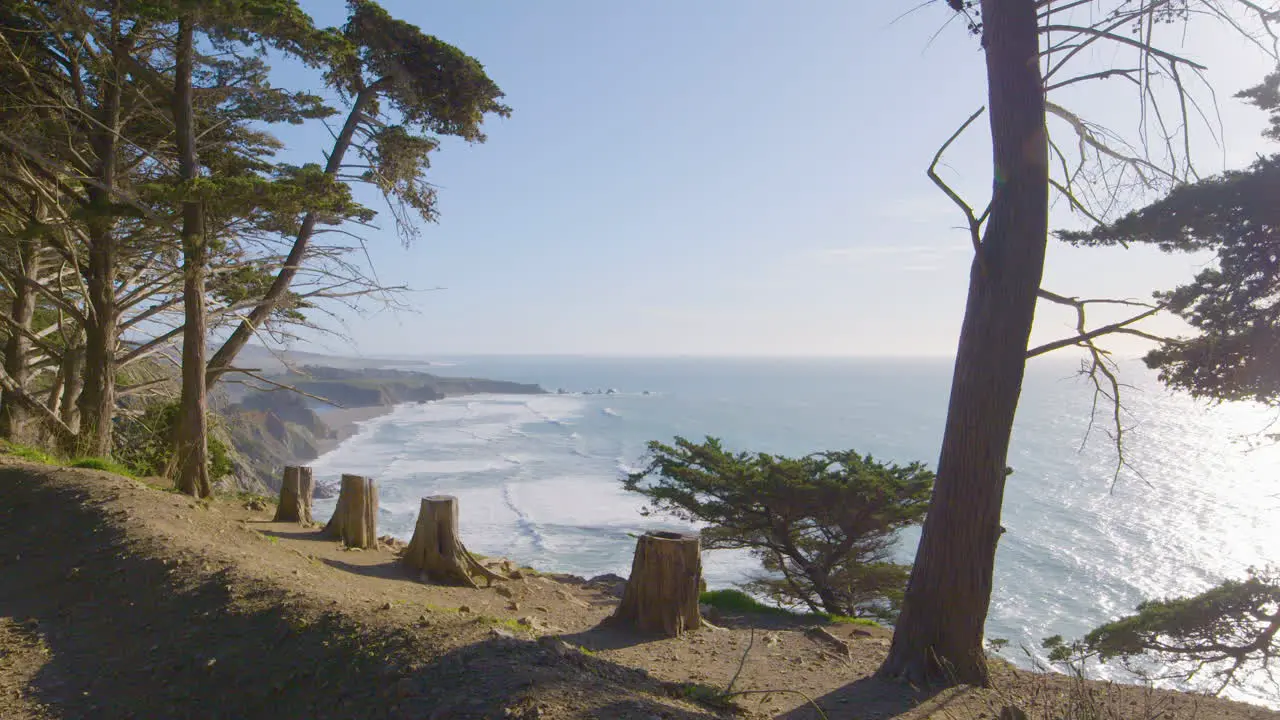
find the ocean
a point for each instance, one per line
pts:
(537, 477)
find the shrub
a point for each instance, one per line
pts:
(822, 525)
(144, 443)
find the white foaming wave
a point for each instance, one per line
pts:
(577, 501)
(405, 467)
(611, 412)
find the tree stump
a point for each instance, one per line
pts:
(295, 496)
(661, 596)
(436, 549)
(355, 519)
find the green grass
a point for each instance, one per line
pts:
(35, 454)
(738, 601)
(26, 452)
(105, 464)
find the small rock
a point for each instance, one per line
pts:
(386, 605)
(513, 606)
(464, 608)
(859, 632)
(504, 591)
(503, 633)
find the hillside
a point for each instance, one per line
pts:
(271, 428)
(118, 599)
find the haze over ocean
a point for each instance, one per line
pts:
(537, 476)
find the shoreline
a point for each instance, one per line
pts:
(345, 422)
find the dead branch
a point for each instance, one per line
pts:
(974, 223)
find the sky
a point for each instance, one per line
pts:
(729, 177)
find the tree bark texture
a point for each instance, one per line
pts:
(661, 596)
(296, 491)
(13, 416)
(192, 431)
(355, 519)
(938, 637)
(436, 549)
(72, 384)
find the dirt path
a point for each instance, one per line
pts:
(118, 600)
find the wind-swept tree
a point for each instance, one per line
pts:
(403, 90)
(1229, 632)
(1032, 49)
(823, 525)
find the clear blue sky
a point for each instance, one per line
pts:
(724, 177)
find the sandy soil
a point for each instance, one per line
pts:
(120, 600)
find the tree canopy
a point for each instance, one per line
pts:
(823, 525)
(1234, 304)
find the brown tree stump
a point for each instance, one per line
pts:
(437, 551)
(661, 596)
(355, 519)
(295, 496)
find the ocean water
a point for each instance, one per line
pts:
(538, 476)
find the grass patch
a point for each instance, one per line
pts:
(26, 452)
(104, 464)
(738, 601)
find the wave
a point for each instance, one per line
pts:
(524, 525)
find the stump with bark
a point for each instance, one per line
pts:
(295, 496)
(437, 551)
(355, 519)
(661, 596)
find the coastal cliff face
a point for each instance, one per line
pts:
(271, 429)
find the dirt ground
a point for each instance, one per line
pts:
(121, 600)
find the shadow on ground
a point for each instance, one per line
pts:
(864, 698)
(137, 632)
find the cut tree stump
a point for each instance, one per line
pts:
(355, 519)
(437, 551)
(661, 596)
(295, 496)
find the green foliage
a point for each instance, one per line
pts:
(822, 525)
(1235, 303)
(1224, 631)
(27, 452)
(737, 601)
(144, 443)
(105, 464)
(731, 600)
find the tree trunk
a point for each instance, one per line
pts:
(72, 384)
(938, 637)
(437, 550)
(662, 593)
(355, 519)
(275, 294)
(13, 417)
(192, 434)
(98, 397)
(295, 496)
